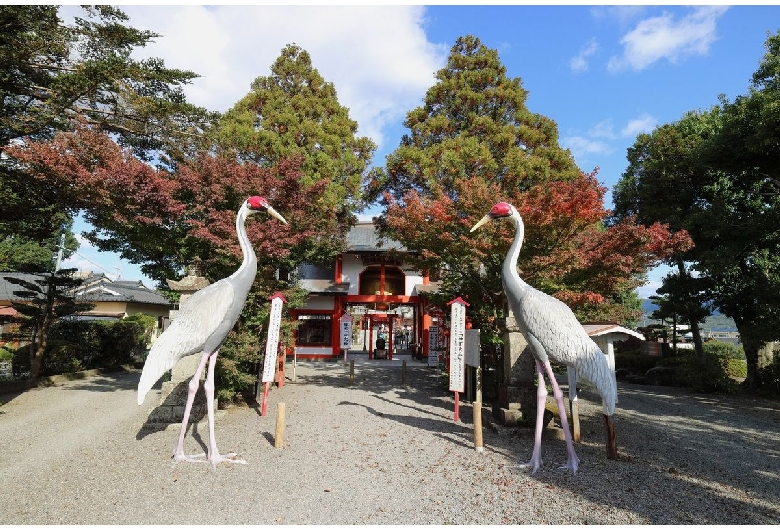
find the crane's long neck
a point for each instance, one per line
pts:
(512, 281)
(248, 268)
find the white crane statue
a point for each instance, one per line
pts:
(552, 332)
(201, 325)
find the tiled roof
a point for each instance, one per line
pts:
(363, 238)
(96, 288)
(121, 291)
(7, 288)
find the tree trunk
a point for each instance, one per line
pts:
(692, 320)
(38, 350)
(752, 347)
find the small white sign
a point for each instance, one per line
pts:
(457, 346)
(272, 343)
(346, 331)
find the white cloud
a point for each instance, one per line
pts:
(579, 63)
(641, 124)
(581, 146)
(603, 129)
(377, 57)
(662, 37)
(601, 138)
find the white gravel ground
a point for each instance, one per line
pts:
(377, 452)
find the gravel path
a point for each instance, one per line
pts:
(377, 452)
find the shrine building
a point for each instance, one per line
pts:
(371, 283)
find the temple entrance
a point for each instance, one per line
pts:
(383, 332)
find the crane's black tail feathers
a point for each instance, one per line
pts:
(592, 365)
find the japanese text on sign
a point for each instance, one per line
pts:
(272, 343)
(457, 347)
(346, 332)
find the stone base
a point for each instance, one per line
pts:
(508, 417)
(516, 405)
(174, 400)
(173, 395)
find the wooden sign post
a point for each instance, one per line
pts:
(271, 346)
(457, 350)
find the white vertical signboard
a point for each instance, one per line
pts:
(458, 344)
(272, 343)
(346, 331)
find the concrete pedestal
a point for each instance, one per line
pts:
(517, 393)
(173, 396)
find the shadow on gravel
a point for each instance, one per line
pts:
(679, 466)
(677, 450)
(111, 382)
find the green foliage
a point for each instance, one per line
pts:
(707, 374)
(635, 363)
(237, 358)
(292, 113)
(714, 173)
(6, 354)
(770, 377)
(86, 344)
(45, 300)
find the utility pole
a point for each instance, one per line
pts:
(59, 253)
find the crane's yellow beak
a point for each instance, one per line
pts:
(481, 222)
(276, 214)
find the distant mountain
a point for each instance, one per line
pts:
(716, 322)
(648, 306)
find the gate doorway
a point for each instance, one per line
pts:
(385, 331)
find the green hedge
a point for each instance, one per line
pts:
(719, 371)
(86, 344)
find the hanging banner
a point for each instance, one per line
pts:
(272, 343)
(457, 344)
(346, 331)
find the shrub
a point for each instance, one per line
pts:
(769, 377)
(236, 363)
(6, 354)
(708, 374)
(635, 363)
(85, 344)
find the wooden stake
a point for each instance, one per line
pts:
(279, 436)
(457, 405)
(478, 427)
(612, 453)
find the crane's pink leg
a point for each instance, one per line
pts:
(572, 461)
(178, 451)
(214, 456)
(541, 397)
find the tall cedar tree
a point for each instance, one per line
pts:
(295, 112)
(721, 183)
(474, 143)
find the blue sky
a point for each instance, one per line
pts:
(603, 73)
